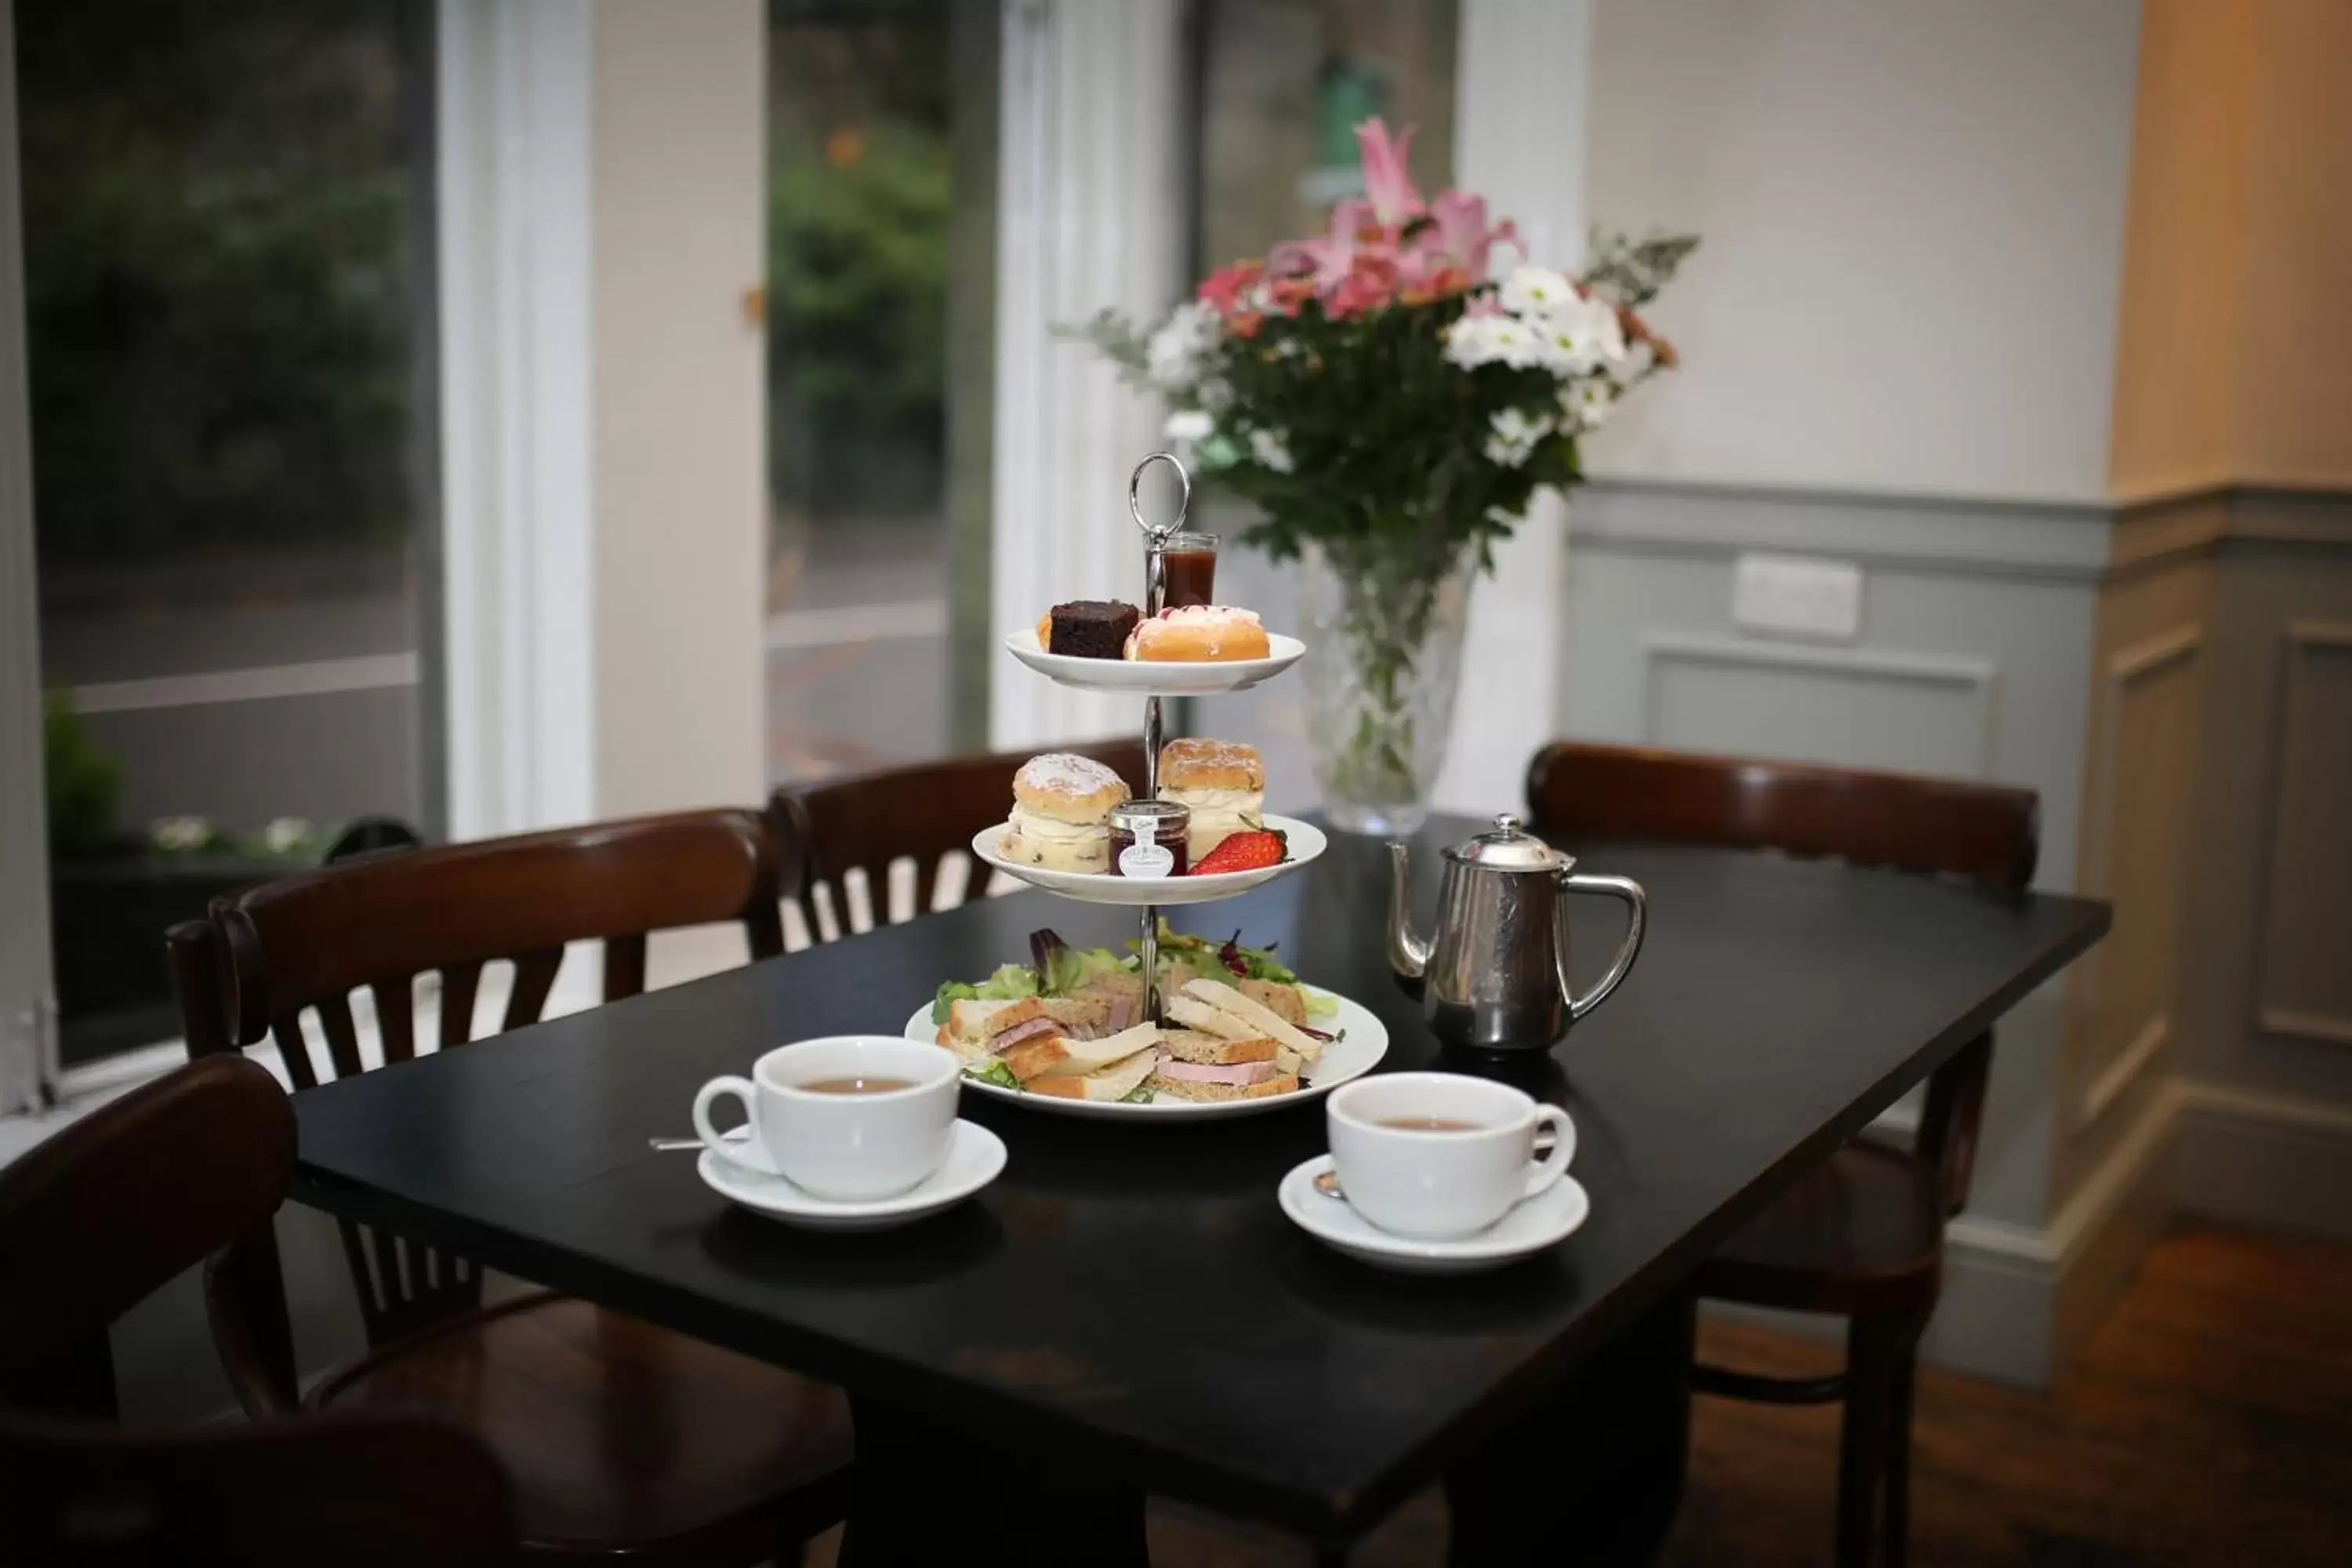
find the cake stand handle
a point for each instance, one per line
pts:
(1155, 599)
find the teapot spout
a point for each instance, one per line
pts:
(1408, 951)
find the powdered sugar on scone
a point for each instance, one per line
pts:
(1063, 773)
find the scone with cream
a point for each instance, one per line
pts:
(1221, 782)
(1061, 814)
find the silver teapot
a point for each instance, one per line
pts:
(1495, 976)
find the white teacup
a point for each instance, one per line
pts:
(1435, 1186)
(847, 1146)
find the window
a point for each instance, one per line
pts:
(881, 148)
(219, 202)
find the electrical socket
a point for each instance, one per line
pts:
(1797, 597)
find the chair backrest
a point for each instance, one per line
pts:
(305, 943)
(1988, 834)
(1985, 833)
(103, 1213)
(840, 838)
(360, 1491)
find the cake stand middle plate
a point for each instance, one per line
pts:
(1304, 839)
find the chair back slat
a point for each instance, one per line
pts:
(534, 981)
(342, 1035)
(395, 1017)
(624, 968)
(105, 1212)
(852, 830)
(460, 985)
(1987, 834)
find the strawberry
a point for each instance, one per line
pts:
(1250, 850)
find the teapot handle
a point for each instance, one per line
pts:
(1623, 888)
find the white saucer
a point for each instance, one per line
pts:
(1304, 840)
(1541, 1222)
(974, 1159)
(1158, 678)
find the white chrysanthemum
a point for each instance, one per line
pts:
(1532, 293)
(1580, 337)
(1586, 405)
(1188, 424)
(1172, 357)
(1270, 449)
(1512, 437)
(1474, 341)
(284, 835)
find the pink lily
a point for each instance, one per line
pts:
(1387, 184)
(1461, 233)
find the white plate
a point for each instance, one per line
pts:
(1541, 1222)
(1305, 840)
(1156, 678)
(974, 1159)
(1365, 1042)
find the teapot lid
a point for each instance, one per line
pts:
(1509, 847)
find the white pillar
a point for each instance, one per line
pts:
(600, 220)
(1519, 138)
(1091, 216)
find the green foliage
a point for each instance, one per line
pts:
(1631, 273)
(216, 285)
(858, 289)
(84, 785)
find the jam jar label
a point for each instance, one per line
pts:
(1147, 860)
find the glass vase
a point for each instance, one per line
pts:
(1383, 633)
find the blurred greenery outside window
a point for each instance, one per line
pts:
(859, 199)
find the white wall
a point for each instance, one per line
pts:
(1913, 215)
(681, 485)
(602, 207)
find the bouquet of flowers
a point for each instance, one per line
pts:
(1390, 406)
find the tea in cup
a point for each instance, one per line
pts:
(851, 1117)
(1436, 1156)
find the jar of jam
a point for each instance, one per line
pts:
(1148, 838)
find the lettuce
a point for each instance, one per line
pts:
(1071, 968)
(1319, 1004)
(1138, 1095)
(995, 1072)
(1009, 983)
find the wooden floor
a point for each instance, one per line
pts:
(2207, 1420)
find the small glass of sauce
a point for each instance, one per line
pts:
(1190, 570)
(1148, 838)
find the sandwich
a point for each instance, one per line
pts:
(1055, 1054)
(1117, 1081)
(1197, 1065)
(1222, 783)
(1215, 1008)
(1061, 814)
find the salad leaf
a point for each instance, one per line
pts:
(995, 1072)
(1319, 1004)
(1204, 953)
(1138, 1095)
(1009, 983)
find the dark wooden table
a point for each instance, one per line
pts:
(1128, 1306)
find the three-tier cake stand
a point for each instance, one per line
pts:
(1363, 1039)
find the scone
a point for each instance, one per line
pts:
(1200, 634)
(1223, 783)
(1061, 814)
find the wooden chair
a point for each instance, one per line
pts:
(621, 1437)
(98, 1217)
(840, 838)
(1863, 1235)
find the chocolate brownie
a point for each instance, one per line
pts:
(1092, 628)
